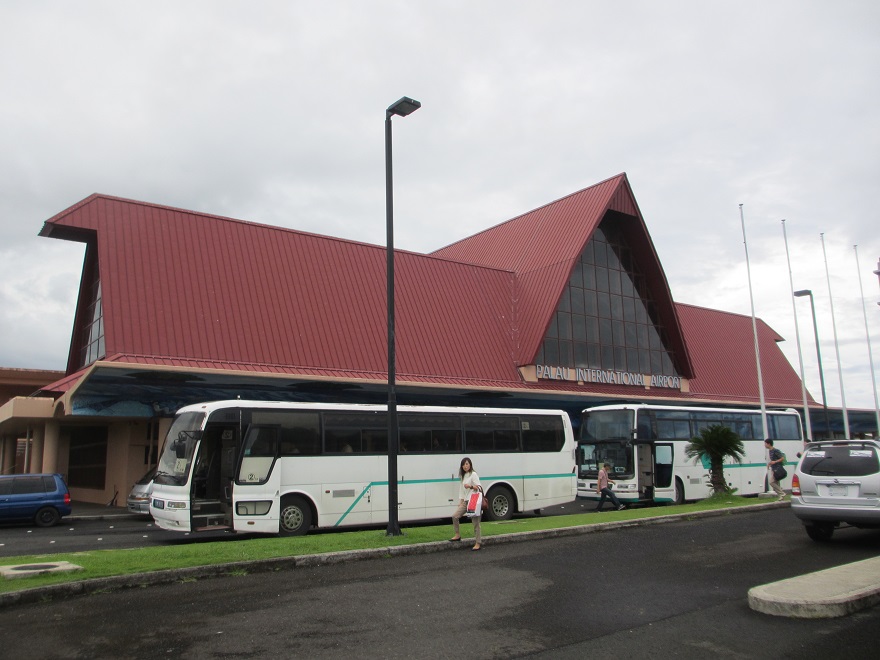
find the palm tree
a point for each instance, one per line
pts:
(716, 443)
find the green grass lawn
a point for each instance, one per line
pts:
(105, 563)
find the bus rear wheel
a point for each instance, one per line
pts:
(296, 516)
(501, 504)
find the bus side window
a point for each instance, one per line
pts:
(376, 441)
(260, 445)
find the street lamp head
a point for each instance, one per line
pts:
(802, 293)
(403, 107)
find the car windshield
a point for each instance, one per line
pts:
(840, 461)
(147, 478)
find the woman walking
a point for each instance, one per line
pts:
(469, 483)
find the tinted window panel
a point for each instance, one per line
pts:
(27, 485)
(491, 433)
(542, 433)
(356, 432)
(842, 461)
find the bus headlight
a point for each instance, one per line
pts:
(255, 508)
(175, 505)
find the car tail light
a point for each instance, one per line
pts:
(795, 485)
(67, 498)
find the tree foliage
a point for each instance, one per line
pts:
(716, 443)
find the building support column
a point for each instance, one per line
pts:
(37, 435)
(50, 447)
(8, 445)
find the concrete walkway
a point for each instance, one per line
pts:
(826, 594)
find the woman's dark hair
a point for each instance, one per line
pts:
(461, 467)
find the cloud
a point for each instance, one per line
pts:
(274, 113)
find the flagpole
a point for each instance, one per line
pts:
(754, 330)
(868, 337)
(797, 335)
(836, 347)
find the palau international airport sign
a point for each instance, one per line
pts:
(585, 376)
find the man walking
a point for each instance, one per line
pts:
(604, 490)
(775, 462)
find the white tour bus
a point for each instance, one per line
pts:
(256, 466)
(644, 444)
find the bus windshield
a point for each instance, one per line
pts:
(592, 456)
(607, 425)
(606, 437)
(180, 443)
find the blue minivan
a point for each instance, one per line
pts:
(41, 498)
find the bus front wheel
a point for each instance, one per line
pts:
(296, 517)
(501, 503)
(679, 491)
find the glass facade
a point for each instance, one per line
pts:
(93, 330)
(606, 318)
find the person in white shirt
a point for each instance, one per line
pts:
(469, 483)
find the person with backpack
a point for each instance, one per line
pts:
(776, 472)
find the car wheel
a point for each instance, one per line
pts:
(296, 517)
(501, 504)
(47, 516)
(820, 532)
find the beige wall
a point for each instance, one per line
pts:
(126, 441)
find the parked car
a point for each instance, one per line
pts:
(139, 497)
(837, 482)
(41, 498)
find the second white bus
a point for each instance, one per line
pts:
(272, 467)
(644, 444)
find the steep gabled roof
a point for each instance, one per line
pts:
(542, 247)
(179, 285)
(191, 291)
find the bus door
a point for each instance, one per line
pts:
(644, 470)
(664, 483)
(210, 497)
(256, 498)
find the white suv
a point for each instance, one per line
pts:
(837, 481)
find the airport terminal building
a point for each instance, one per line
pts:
(565, 306)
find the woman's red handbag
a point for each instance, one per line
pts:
(475, 505)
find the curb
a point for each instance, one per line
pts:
(827, 594)
(139, 580)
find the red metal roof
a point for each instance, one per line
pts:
(722, 346)
(196, 291)
(189, 286)
(542, 247)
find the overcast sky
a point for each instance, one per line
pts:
(273, 112)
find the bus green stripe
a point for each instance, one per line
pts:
(450, 481)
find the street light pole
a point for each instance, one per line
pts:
(401, 108)
(800, 294)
